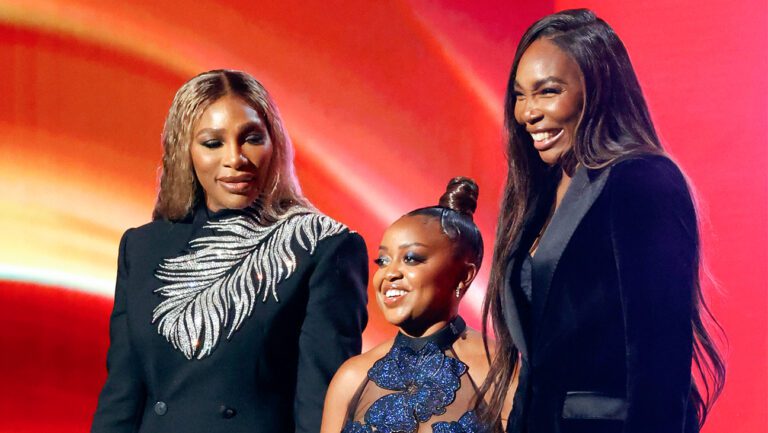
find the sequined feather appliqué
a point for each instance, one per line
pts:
(217, 283)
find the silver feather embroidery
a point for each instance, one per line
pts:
(217, 283)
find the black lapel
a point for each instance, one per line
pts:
(531, 227)
(584, 189)
(511, 314)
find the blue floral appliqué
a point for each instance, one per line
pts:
(356, 427)
(425, 383)
(468, 423)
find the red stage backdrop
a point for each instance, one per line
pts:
(385, 101)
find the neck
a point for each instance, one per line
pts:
(442, 337)
(419, 330)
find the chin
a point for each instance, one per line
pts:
(395, 317)
(550, 157)
(238, 202)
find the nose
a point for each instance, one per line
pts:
(393, 273)
(233, 156)
(532, 114)
(527, 110)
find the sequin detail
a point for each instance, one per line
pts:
(217, 283)
(468, 423)
(425, 383)
(356, 427)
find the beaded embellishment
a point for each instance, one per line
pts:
(219, 280)
(424, 381)
(468, 423)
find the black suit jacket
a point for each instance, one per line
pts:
(271, 374)
(606, 343)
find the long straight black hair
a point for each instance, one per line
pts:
(615, 125)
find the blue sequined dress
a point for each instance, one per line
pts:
(419, 386)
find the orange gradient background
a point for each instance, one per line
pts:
(384, 101)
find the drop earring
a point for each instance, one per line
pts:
(458, 291)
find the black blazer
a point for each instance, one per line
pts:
(606, 343)
(287, 303)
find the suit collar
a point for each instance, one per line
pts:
(534, 219)
(584, 189)
(511, 312)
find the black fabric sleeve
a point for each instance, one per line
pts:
(332, 329)
(121, 401)
(654, 233)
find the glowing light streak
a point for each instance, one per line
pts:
(58, 279)
(97, 26)
(356, 184)
(463, 68)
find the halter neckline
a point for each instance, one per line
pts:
(443, 339)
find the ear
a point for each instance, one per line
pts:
(468, 275)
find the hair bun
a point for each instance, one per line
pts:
(460, 195)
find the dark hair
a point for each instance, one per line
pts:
(455, 210)
(615, 125)
(180, 190)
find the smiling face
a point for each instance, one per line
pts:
(549, 98)
(231, 151)
(418, 273)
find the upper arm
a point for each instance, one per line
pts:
(655, 242)
(340, 392)
(122, 399)
(335, 318)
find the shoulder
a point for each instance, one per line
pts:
(149, 232)
(357, 366)
(651, 189)
(474, 338)
(649, 179)
(352, 372)
(470, 348)
(377, 352)
(647, 172)
(323, 232)
(345, 241)
(355, 369)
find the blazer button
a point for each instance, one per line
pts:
(227, 412)
(161, 408)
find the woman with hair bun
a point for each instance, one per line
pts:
(237, 303)
(426, 378)
(594, 291)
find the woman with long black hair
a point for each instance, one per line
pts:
(594, 292)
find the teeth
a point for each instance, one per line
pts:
(541, 136)
(393, 293)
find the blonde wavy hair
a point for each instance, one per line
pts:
(180, 191)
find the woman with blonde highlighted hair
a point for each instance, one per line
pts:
(179, 188)
(238, 302)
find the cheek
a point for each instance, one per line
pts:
(203, 163)
(569, 110)
(260, 156)
(519, 113)
(378, 277)
(427, 287)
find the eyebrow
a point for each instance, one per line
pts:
(242, 128)
(541, 82)
(404, 246)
